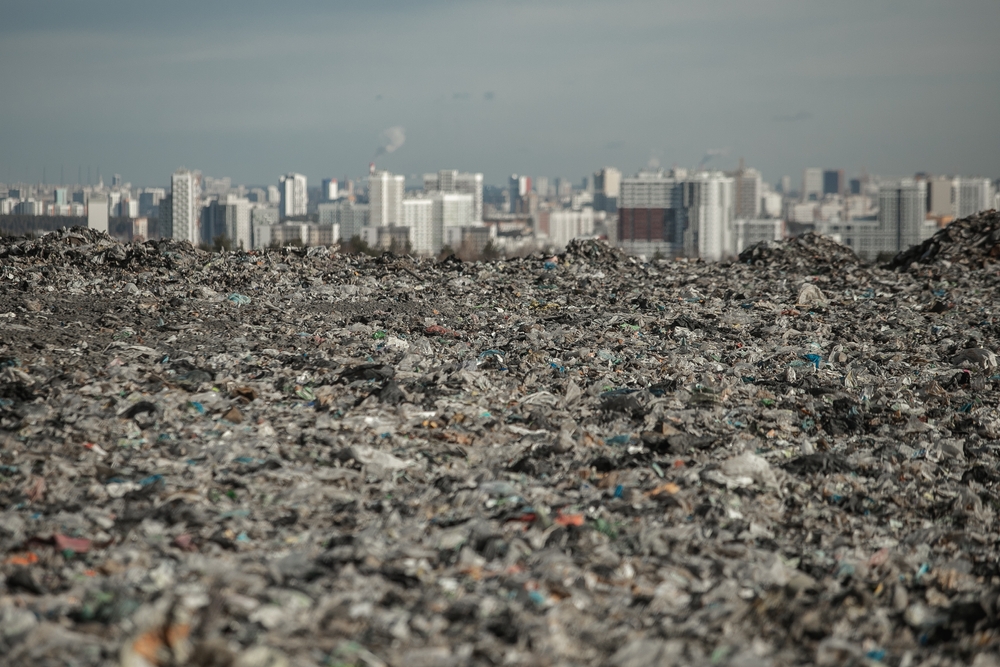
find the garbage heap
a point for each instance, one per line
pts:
(972, 243)
(296, 457)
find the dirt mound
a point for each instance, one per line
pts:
(974, 240)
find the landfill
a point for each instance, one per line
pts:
(301, 457)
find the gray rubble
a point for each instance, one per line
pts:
(296, 457)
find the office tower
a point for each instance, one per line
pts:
(518, 186)
(708, 198)
(59, 195)
(450, 209)
(940, 202)
(350, 218)
(812, 184)
(749, 186)
(149, 201)
(385, 198)
(564, 188)
(116, 181)
(607, 187)
(785, 186)
(650, 215)
(166, 217)
(273, 195)
(680, 214)
(561, 227)
(294, 195)
(902, 209)
(833, 182)
(542, 186)
(329, 191)
(972, 195)
(451, 180)
(185, 193)
(97, 212)
(228, 218)
(418, 216)
(855, 185)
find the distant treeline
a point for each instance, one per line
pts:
(19, 225)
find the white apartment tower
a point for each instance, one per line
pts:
(972, 195)
(385, 199)
(902, 208)
(184, 195)
(294, 195)
(451, 180)
(812, 184)
(708, 198)
(418, 215)
(749, 189)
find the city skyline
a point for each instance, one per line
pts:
(252, 90)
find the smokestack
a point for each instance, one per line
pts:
(371, 168)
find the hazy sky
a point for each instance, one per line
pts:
(253, 89)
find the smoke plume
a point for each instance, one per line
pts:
(390, 140)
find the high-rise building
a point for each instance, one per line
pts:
(294, 195)
(708, 198)
(418, 216)
(607, 188)
(902, 209)
(451, 180)
(940, 197)
(329, 192)
(812, 184)
(228, 218)
(450, 209)
(184, 194)
(349, 217)
(97, 212)
(972, 195)
(518, 186)
(650, 214)
(59, 195)
(785, 186)
(675, 215)
(561, 227)
(385, 198)
(749, 187)
(166, 216)
(833, 182)
(149, 201)
(542, 186)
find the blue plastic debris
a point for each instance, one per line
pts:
(239, 299)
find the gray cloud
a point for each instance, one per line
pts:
(252, 89)
(793, 117)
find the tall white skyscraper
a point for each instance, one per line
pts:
(972, 195)
(902, 208)
(451, 180)
(708, 198)
(418, 215)
(749, 188)
(385, 199)
(97, 212)
(812, 184)
(184, 195)
(451, 209)
(294, 195)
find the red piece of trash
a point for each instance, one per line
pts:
(78, 545)
(569, 519)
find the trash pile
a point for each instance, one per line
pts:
(972, 242)
(813, 251)
(296, 457)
